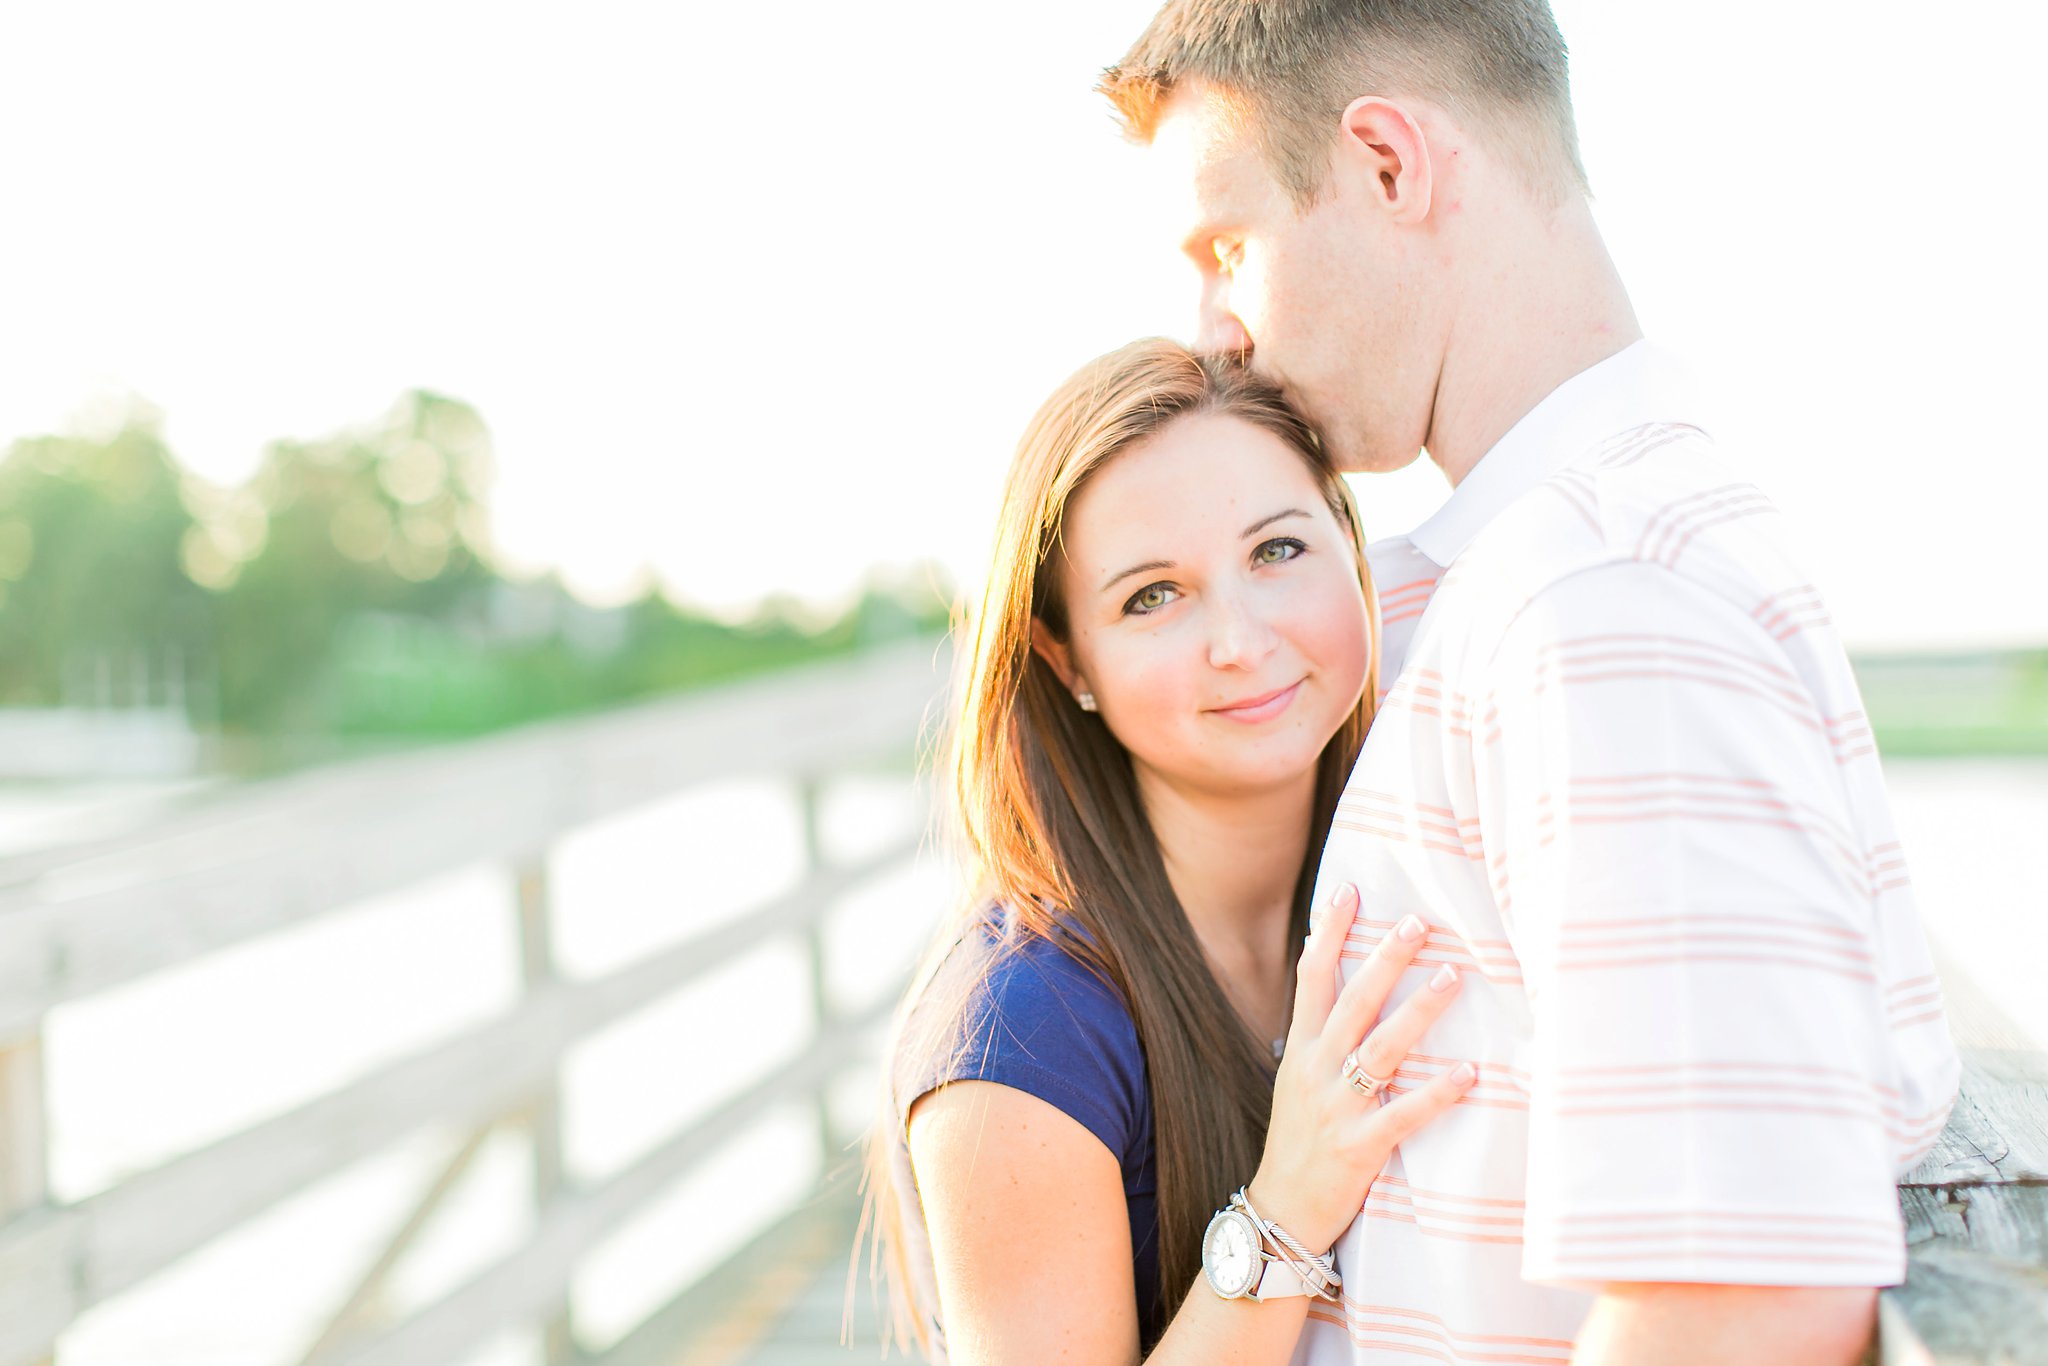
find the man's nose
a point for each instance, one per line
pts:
(1217, 329)
(1241, 638)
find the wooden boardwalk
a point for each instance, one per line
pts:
(808, 1334)
(782, 1300)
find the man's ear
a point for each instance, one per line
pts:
(1383, 147)
(1054, 652)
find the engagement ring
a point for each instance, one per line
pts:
(1355, 1073)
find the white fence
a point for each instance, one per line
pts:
(266, 857)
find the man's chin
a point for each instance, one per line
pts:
(1359, 457)
(1349, 453)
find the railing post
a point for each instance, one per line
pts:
(24, 1131)
(809, 791)
(544, 1121)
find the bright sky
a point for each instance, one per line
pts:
(757, 297)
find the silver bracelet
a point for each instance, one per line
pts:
(1317, 1271)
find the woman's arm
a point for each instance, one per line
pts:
(1030, 1236)
(1025, 1207)
(1031, 1241)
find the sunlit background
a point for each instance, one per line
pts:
(754, 298)
(391, 373)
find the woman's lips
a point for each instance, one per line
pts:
(1261, 708)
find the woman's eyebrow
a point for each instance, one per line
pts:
(1145, 568)
(1256, 527)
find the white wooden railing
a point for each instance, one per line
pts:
(265, 857)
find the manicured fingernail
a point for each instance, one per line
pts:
(1345, 897)
(1446, 977)
(1464, 1074)
(1410, 929)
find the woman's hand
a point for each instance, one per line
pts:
(1328, 1139)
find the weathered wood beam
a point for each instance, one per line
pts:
(38, 1295)
(110, 1242)
(1976, 1209)
(266, 856)
(537, 972)
(519, 1288)
(356, 1305)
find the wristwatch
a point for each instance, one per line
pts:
(1237, 1264)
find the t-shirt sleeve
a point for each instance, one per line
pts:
(1043, 1023)
(1714, 1096)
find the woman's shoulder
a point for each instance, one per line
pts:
(1033, 967)
(1029, 1007)
(1027, 978)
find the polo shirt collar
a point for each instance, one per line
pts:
(1635, 385)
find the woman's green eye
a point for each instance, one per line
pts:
(1149, 599)
(1278, 549)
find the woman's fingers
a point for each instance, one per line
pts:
(1360, 1000)
(1402, 1116)
(1315, 979)
(1395, 1037)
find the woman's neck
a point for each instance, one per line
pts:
(1234, 860)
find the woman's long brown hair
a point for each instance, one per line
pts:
(1051, 826)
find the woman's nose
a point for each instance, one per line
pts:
(1241, 638)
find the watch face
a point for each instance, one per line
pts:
(1230, 1254)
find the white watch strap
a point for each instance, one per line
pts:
(1277, 1281)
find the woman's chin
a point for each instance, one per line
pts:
(1272, 769)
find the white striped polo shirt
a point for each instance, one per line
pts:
(1623, 772)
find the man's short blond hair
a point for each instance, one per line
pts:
(1290, 68)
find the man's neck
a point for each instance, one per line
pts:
(1550, 306)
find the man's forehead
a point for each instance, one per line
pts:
(1202, 154)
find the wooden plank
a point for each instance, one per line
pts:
(544, 1115)
(24, 1165)
(355, 1306)
(731, 1308)
(38, 1298)
(517, 1290)
(1998, 1131)
(1977, 1222)
(1964, 1306)
(24, 1128)
(258, 858)
(1976, 1209)
(124, 1234)
(816, 973)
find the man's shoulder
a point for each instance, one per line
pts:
(1662, 496)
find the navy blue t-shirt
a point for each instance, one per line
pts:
(1041, 1021)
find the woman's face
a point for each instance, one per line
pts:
(1214, 607)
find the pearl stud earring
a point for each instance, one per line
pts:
(1086, 699)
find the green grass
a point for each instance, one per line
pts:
(1977, 706)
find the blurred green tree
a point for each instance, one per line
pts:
(389, 519)
(94, 602)
(345, 592)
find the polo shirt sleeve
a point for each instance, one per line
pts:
(1713, 1094)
